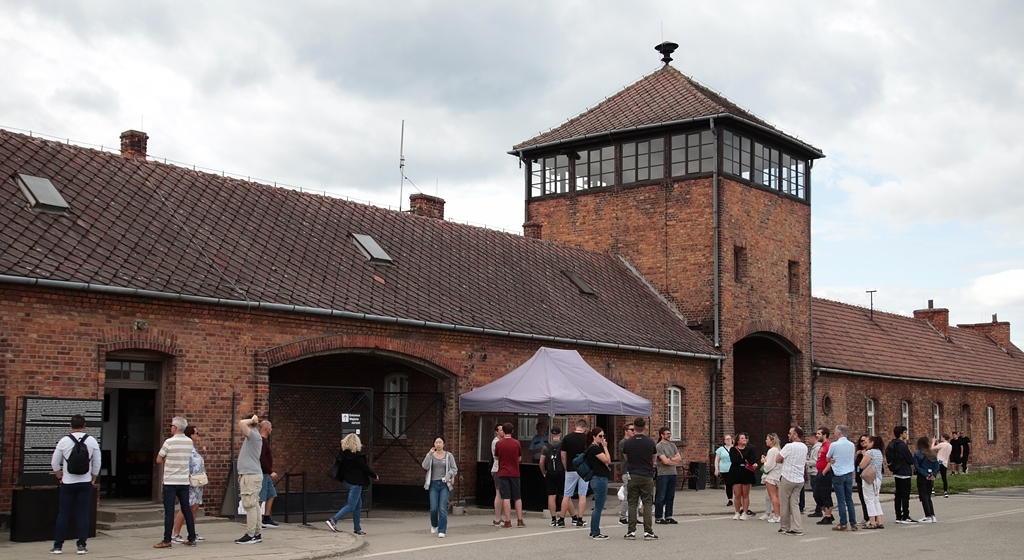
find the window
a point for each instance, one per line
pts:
(596, 168)
(132, 371)
(792, 180)
(370, 249)
(41, 194)
(643, 161)
(965, 419)
(936, 424)
(767, 170)
(549, 175)
(794, 277)
(736, 155)
(990, 414)
(905, 414)
(693, 153)
(675, 412)
(870, 409)
(739, 261)
(396, 405)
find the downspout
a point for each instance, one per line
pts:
(714, 194)
(810, 309)
(714, 399)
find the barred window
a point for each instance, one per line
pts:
(643, 161)
(693, 153)
(396, 405)
(596, 168)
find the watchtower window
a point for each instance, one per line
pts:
(693, 153)
(763, 165)
(643, 161)
(596, 168)
(736, 155)
(550, 175)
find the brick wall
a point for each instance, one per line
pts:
(56, 344)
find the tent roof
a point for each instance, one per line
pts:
(554, 382)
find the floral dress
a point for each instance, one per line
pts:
(196, 465)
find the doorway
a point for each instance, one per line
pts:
(129, 427)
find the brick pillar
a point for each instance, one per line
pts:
(133, 144)
(426, 205)
(532, 229)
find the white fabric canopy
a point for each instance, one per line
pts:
(554, 382)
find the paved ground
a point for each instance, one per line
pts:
(984, 523)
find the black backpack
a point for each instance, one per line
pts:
(583, 468)
(553, 458)
(891, 456)
(78, 461)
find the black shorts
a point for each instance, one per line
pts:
(508, 488)
(555, 483)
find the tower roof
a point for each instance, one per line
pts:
(662, 97)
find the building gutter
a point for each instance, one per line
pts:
(817, 153)
(821, 370)
(320, 311)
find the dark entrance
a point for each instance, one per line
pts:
(133, 465)
(761, 387)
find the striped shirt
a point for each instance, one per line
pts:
(176, 451)
(794, 455)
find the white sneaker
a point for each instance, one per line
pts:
(743, 517)
(440, 535)
(934, 520)
(433, 530)
(177, 539)
(736, 516)
(925, 520)
(774, 519)
(763, 517)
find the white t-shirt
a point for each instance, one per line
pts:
(63, 450)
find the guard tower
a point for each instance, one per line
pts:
(712, 205)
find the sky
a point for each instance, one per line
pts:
(917, 105)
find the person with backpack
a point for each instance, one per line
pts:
(554, 473)
(573, 445)
(76, 464)
(901, 464)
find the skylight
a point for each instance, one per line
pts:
(584, 288)
(370, 249)
(41, 194)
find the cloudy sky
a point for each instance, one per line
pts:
(918, 106)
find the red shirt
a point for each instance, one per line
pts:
(822, 459)
(508, 451)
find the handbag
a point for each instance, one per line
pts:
(334, 473)
(198, 480)
(869, 474)
(750, 467)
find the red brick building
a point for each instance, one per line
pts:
(667, 240)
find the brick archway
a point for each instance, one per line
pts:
(278, 355)
(776, 330)
(130, 338)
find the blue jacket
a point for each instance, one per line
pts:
(925, 466)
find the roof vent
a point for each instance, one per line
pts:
(583, 287)
(370, 249)
(41, 194)
(666, 48)
(133, 144)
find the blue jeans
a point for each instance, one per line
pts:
(354, 506)
(74, 496)
(439, 505)
(600, 486)
(843, 487)
(179, 491)
(666, 495)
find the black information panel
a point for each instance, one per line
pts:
(350, 424)
(46, 421)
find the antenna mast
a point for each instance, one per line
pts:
(872, 294)
(401, 166)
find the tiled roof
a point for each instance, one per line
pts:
(152, 226)
(662, 96)
(846, 338)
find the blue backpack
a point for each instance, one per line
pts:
(583, 468)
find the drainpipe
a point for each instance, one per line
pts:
(714, 398)
(714, 194)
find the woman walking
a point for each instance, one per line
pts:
(927, 466)
(356, 474)
(870, 469)
(441, 471)
(744, 464)
(196, 465)
(770, 478)
(722, 466)
(598, 458)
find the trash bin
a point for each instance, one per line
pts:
(699, 475)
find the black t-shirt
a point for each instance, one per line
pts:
(600, 469)
(572, 445)
(958, 448)
(640, 451)
(965, 446)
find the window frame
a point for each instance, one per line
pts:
(937, 420)
(632, 160)
(395, 423)
(990, 417)
(869, 411)
(674, 401)
(905, 413)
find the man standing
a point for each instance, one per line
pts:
(793, 458)
(840, 461)
(175, 454)
(250, 478)
(823, 488)
(267, 491)
(965, 451)
(955, 453)
(499, 434)
(812, 469)
(573, 445)
(76, 464)
(539, 440)
(627, 433)
(668, 459)
(510, 454)
(901, 465)
(554, 474)
(641, 452)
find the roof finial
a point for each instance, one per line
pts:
(666, 48)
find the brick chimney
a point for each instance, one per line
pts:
(937, 318)
(532, 229)
(426, 205)
(996, 330)
(133, 144)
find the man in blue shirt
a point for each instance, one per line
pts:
(840, 462)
